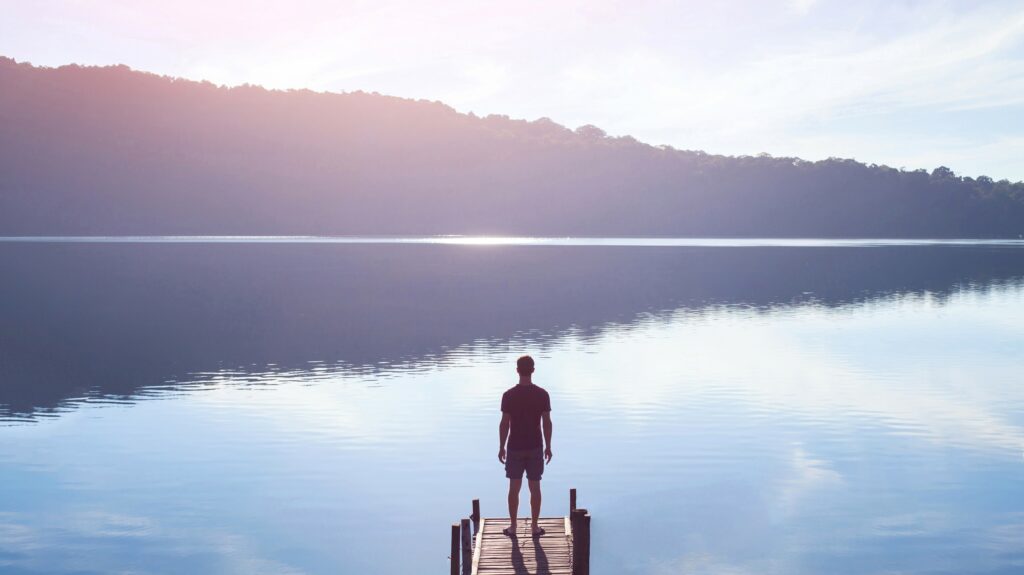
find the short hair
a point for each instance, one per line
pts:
(524, 364)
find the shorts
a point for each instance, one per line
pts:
(529, 460)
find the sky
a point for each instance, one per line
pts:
(902, 83)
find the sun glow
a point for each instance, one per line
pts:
(486, 240)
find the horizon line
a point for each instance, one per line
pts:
(504, 240)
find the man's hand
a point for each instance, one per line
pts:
(503, 429)
(545, 420)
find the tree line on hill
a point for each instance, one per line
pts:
(109, 150)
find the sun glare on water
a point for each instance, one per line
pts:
(487, 240)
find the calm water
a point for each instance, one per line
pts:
(331, 407)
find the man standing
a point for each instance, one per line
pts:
(523, 409)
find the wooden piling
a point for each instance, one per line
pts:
(580, 521)
(586, 544)
(476, 516)
(572, 500)
(467, 548)
(455, 549)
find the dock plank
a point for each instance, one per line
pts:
(495, 553)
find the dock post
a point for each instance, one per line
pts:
(476, 516)
(572, 500)
(586, 542)
(455, 549)
(580, 521)
(467, 549)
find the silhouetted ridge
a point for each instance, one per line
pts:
(109, 150)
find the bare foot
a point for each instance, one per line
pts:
(509, 531)
(537, 531)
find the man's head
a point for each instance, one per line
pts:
(524, 365)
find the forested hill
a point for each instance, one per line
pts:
(87, 150)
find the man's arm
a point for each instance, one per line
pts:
(502, 435)
(546, 421)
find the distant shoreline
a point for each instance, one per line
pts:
(521, 241)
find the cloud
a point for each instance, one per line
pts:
(801, 6)
(87, 540)
(807, 474)
(953, 63)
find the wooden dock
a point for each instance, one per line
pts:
(480, 548)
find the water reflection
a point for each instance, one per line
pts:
(82, 321)
(747, 411)
(795, 440)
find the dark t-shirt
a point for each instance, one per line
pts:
(525, 403)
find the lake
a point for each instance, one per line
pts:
(330, 405)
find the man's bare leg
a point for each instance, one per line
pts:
(514, 485)
(535, 505)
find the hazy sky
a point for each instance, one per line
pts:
(914, 84)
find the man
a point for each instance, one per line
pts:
(523, 409)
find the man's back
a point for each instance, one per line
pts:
(523, 408)
(525, 403)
